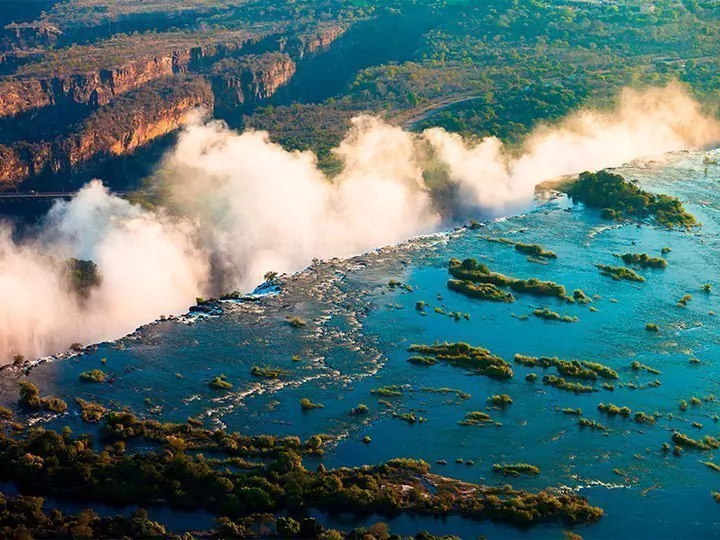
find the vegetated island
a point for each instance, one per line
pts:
(620, 198)
(643, 260)
(463, 355)
(247, 481)
(534, 250)
(471, 270)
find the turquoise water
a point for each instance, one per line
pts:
(359, 330)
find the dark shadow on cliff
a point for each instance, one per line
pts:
(386, 39)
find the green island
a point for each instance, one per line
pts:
(643, 260)
(248, 480)
(562, 384)
(516, 469)
(94, 376)
(571, 368)
(534, 250)
(500, 400)
(388, 391)
(637, 366)
(484, 291)
(308, 405)
(220, 383)
(30, 399)
(422, 360)
(268, 372)
(547, 314)
(706, 443)
(619, 273)
(471, 270)
(463, 355)
(591, 424)
(619, 198)
(476, 418)
(614, 410)
(580, 297)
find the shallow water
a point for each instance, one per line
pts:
(359, 330)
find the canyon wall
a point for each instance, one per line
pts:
(119, 129)
(115, 111)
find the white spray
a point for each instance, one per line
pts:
(242, 206)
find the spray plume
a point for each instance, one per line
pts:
(239, 206)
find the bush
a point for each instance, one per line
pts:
(93, 376)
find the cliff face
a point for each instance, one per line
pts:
(139, 99)
(117, 130)
(312, 42)
(29, 36)
(97, 88)
(240, 85)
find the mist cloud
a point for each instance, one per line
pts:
(239, 205)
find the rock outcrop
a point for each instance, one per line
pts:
(241, 84)
(29, 36)
(98, 87)
(312, 41)
(127, 124)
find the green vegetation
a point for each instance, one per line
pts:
(359, 410)
(268, 372)
(592, 424)
(572, 412)
(652, 327)
(296, 322)
(30, 399)
(562, 384)
(642, 418)
(409, 418)
(571, 368)
(94, 376)
(549, 315)
(707, 443)
(220, 383)
(463, 355)
(613, 410)
(90, 412)
(458, 393)
(42, 461)
(500, 400)
(531, 377)
(422, 360)
(535, 250)
(683, 302)
(580, 297)
(476, 418)
(471, 270)
(84, 276)
(388, 391)
(637, 366)
(620, 198)
(484, 291)
(516, 469)
(619, 273)
(308, 405)
(643, 260)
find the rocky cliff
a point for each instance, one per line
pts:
(312, 41)
(29, 36)
(130, 122)
(241, 84)
(98, 87)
